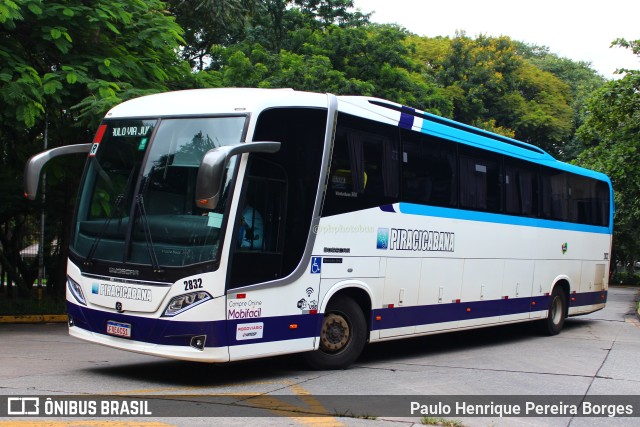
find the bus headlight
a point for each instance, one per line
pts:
(184, 302)
(76, 290)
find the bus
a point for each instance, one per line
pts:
(218, 225)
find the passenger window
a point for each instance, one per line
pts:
(365, 167)
(480, 180)
(554, 188)
(428, 170)
(521, 188)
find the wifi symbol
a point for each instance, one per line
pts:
(309, 291)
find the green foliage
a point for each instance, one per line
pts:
(371, 60)
(63, 64)
(68, 52)
(583, 81)
(611, 132)
(211, 22)
(493, 87)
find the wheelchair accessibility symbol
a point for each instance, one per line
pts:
(316, 264)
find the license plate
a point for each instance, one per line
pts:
(119, 329)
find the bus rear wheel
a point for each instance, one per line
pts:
(554, 322)
(342, 337)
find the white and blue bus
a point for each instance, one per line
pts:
(218, 225)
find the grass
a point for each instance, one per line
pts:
(349, 414)
(432, 421)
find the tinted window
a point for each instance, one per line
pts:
(479, 180)
(365, 166)
(521, 188)
(428, 170)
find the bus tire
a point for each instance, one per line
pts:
(554, 322)
(342, 337)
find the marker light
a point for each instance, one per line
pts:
(184, 302)
(76, 290)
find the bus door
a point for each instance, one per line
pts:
(260, 225)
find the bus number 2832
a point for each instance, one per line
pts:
(192, 284)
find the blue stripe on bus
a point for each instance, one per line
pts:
(424, 210)
(399, 317)
(587, 298)
(406, 118)
(222, 333)
(150, 330)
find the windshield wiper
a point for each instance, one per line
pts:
(116, 208)
(147, 234)
(92, 250)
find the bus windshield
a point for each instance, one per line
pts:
(146, 170)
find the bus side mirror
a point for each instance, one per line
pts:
(35, 164)
(211, 172)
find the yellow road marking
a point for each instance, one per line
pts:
(271, 403)
(35, 318)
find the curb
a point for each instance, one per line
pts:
(38, 318)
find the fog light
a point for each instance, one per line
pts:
(70, 321)
(198, 341)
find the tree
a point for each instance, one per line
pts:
(495, 88)
(324, 13)
(583, 81)
(222, 23)
(211, 22)
(611, 133)
(371, 60)
(63, 64)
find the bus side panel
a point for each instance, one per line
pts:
(517, 285)
(592, 281)
(265, 321)
(482, 281)
(440, 285)
(401, 287)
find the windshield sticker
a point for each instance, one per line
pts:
(94, 149)
(215, 220)
(143, 144)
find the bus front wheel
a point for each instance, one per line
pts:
(342, 337)
(554, 322)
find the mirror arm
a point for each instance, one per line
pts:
(35, 164)
(208, 181)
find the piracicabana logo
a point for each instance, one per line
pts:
(383, 238)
